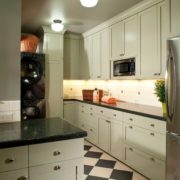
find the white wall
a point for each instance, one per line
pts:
(134, 91)
(10, 32)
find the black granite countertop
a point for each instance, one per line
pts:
(37, 131)
(138, 109)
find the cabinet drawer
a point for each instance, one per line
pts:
(13, 158)
(116, 115)
(145, 122)
(55, 151)
(103, 111)
(85, 107)
(21, 174)
(147, 165)
(147, 140)
(65, 170)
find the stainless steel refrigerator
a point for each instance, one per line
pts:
(173, 109)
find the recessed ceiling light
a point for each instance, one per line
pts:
(89, 3)
(57, 25)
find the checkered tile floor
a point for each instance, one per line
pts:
(100, 166)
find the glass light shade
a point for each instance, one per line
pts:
(57, 26)
(89, 3)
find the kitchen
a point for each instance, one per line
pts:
(131, 134)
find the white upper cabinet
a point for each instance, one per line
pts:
(117, 41)
(95, 62)
(149, 43)
(174, 17)
(131, 36)
(163, 14)
(71, 57)
(105, 54)
(96, 55)
(124, 38)
(87, 58)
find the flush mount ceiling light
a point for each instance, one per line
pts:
(57, 25)
(89, 3)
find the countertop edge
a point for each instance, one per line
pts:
(17, 143)
(160, 118)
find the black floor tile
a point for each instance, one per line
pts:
(92, 154)
(121, 175)
(95, 178)
(106, 163)
(87, 147)
(87, 169)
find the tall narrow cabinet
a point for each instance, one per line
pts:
(53, 49)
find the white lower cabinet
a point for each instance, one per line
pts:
(62, 170)
(104, 134)
(116, 139)
(146, 164)
(20, 174)
(138, 141)
(149, 141)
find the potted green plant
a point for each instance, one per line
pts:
(160, 93)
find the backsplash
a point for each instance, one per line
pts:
(134, 91)
(9, 111)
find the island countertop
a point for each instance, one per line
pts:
(37, 131)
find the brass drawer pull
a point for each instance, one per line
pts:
(82, 111)
(114, 115)
(130, 127)
(108, 121)
(91, 114)
(9, 160)
(152, 125)
(56, 168)
(101, 111)
(131, 119)
(131, 149)
(56, 153)
(91, 130)
(91, 108)
(152, 134)
(157, 74)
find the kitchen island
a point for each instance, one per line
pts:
(41, 149)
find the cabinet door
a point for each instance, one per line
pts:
(104, 134)
(54, 92)
(53, 46)
(70, 112)
(174, 14)
(21, 174)
(117, 41)
(71, 58)
(55, 171)
(116, 139)
(163, 14)
(149, 38)
(96, 56)
(131, 36)
(87, 64)
(105, 54)
(147, 165)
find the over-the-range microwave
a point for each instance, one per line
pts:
(124, 67)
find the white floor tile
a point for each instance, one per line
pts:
(95, 149)
(121, 166)
(101, 172)
(107, 157)
(90, 161)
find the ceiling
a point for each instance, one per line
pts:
(36, 13)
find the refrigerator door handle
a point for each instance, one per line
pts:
(170, 78)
